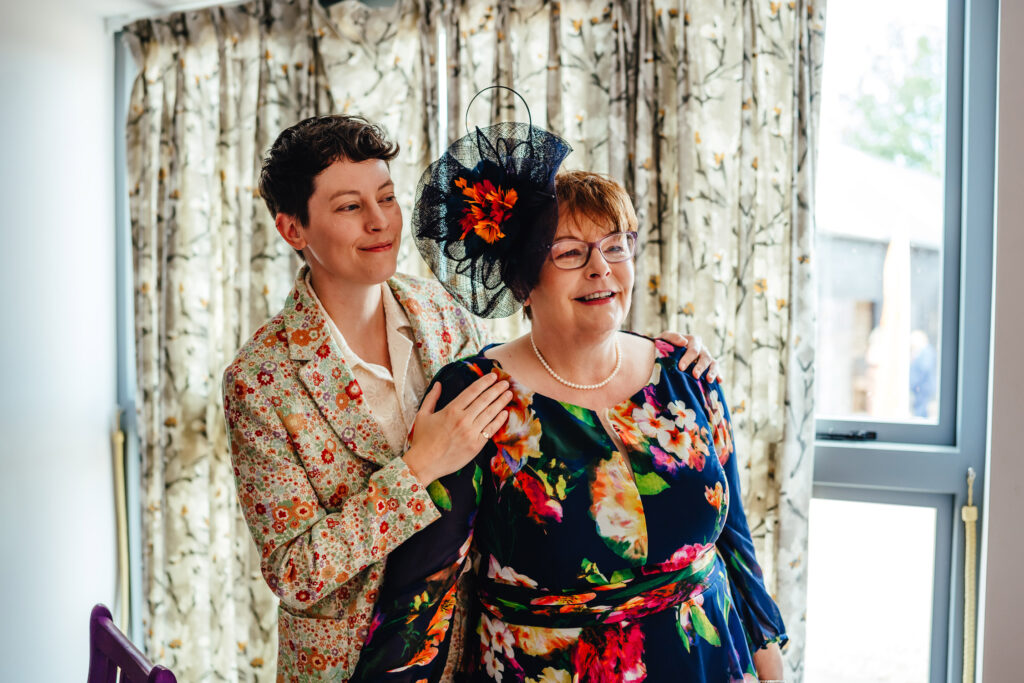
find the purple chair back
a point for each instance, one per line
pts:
(110, 652)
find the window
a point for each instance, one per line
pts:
(880, 210)
(904, 247)
(853, 590)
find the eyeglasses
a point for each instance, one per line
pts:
(570, 254)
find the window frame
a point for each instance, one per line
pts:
(944, 560)
(943, 431)
(915, 462)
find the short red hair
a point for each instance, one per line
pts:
(597, 197)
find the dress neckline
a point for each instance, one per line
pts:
(631, 399)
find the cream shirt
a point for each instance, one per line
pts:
(391, 397)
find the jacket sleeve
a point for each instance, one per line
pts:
(306, 552)
(761, 619)
(413, 629)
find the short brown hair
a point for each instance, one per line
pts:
(304, 150)
(596, 197)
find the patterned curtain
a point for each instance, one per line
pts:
(707, 112)
(214, 88)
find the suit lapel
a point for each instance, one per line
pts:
(433, 343)
(329, 379)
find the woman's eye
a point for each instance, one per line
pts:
(571, 253)
(348, 207)
(390, 198)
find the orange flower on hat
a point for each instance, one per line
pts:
(487, 210)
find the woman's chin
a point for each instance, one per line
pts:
(382, 272)
(590, 324)
(601, 318)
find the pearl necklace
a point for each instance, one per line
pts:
(584, 387)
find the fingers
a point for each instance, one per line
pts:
(675, 338)
(694, 350)
(708, 363)
(695, 355)
(686, 360)
(492, 427)
(702, 364)
(473, 391)
(489, 396)
(491, 410)
(712, 375)
(430, 400)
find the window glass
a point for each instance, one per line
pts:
(869, 592)
(879, 210)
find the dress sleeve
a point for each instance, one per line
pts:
(761, 619)
(411, 632)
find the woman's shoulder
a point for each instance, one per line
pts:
(424, 287)
(467, 369)
(417, 293)
(664, 352)
(668, 356)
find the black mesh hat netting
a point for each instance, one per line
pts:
(486, 211)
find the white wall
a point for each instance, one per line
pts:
(1002, 618)
(57, 347)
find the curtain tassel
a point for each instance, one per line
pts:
(969, 513)
(121, 513)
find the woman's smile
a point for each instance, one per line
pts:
(599, 298)
(378, 247)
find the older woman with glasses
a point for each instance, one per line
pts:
(599, 533)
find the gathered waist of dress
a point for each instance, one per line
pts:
(608, 603)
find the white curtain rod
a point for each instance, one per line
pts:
(117, 22)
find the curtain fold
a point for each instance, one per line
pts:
(707, 113)
(214, 88)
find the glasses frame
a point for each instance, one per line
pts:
(630, 234)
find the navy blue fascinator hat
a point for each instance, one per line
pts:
(486, 211)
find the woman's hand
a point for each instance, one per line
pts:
(768, 662)
(695, 355)
(444, 441)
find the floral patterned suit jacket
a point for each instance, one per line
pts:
(324, 497)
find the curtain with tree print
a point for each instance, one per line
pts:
(213, 90)
(708, 113)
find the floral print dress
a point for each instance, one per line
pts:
(584, 564)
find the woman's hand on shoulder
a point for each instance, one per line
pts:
(445, 440)
(696, 358)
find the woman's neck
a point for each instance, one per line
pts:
(581, 359)
(358, 312)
